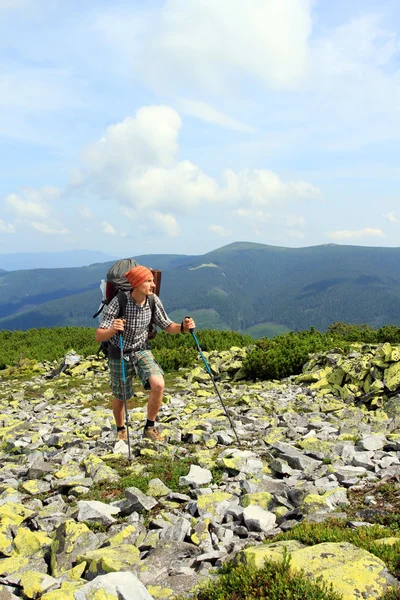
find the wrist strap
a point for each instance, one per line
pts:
(182, 330)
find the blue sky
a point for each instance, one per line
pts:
(179, 126)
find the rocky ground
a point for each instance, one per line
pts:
(78, 519)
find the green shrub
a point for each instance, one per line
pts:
(336, 530)
(274, 581)
(171, 359)
(286, 354)
(172, 351)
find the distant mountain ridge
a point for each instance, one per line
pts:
(52, 260)
(242, 286)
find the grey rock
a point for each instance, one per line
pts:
(258, 519)
(371, 442)
(139, 501)
(122, 584)
(97, 512)
(196, 477)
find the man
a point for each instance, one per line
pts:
(137, 355)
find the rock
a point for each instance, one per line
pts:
(371, 442)
(70, 540)
(139, 501)
(196, 477)
(97, 512)
(34, 584)
(122, 586)
(258, 519)
(108, 560)
(302, 451)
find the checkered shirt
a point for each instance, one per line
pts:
(137, 322)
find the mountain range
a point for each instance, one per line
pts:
(247, 287)
(51, 260)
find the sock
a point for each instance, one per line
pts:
(149, 424)
(121, 428)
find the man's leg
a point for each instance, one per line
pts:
(152, 378)
(156, 383)
(120, 392)
(156, 393)
(119, 412)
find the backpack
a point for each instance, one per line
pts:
(116, 284)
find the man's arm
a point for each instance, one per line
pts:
(110, 324)
(103, 335)
(186, 325)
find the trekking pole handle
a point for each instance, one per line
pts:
(191, 330)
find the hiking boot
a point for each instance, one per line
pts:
(151, 433)
(122, 435)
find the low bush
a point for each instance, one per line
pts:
(335, 530)
(172, 351)
(275, 581)
(286, 354)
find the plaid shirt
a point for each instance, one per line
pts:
(137, 322)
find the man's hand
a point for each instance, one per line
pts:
(119, 324)
(188, 324)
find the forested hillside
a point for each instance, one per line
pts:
(243, 286)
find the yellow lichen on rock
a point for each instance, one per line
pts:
(101, 594)
(209, 502)
(13, 513)
(263, 499)
(160, 593)
(110, 559)
(34, 583)
(255, 556)
(352, 571)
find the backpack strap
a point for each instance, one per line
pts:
(102, 305)
(122, 301)
(152, 325)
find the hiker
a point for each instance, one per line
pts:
(137, 354)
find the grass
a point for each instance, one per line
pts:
(166, 469)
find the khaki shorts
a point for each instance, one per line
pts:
(144, 366)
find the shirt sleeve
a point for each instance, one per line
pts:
(110, 313)
(160, 316)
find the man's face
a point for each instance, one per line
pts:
(147, 287)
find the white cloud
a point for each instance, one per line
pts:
(294, 221)
(207, 44)
(32, 203)
(261, 188)
(135, 162)
(295, 233)
(205, 112)
(149, 138)
(129, 213)
(254, 216)
(6, 227)
(390, 216)
(107, 228)
(44, 228)
(346, 234)
(110, 230)
(85, 213)
(166, 223)
(221, 231)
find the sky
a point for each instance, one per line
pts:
(180, 126)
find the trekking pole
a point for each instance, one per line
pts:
(121, 346)
(213, 380)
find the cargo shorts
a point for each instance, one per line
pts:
(143, 364)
